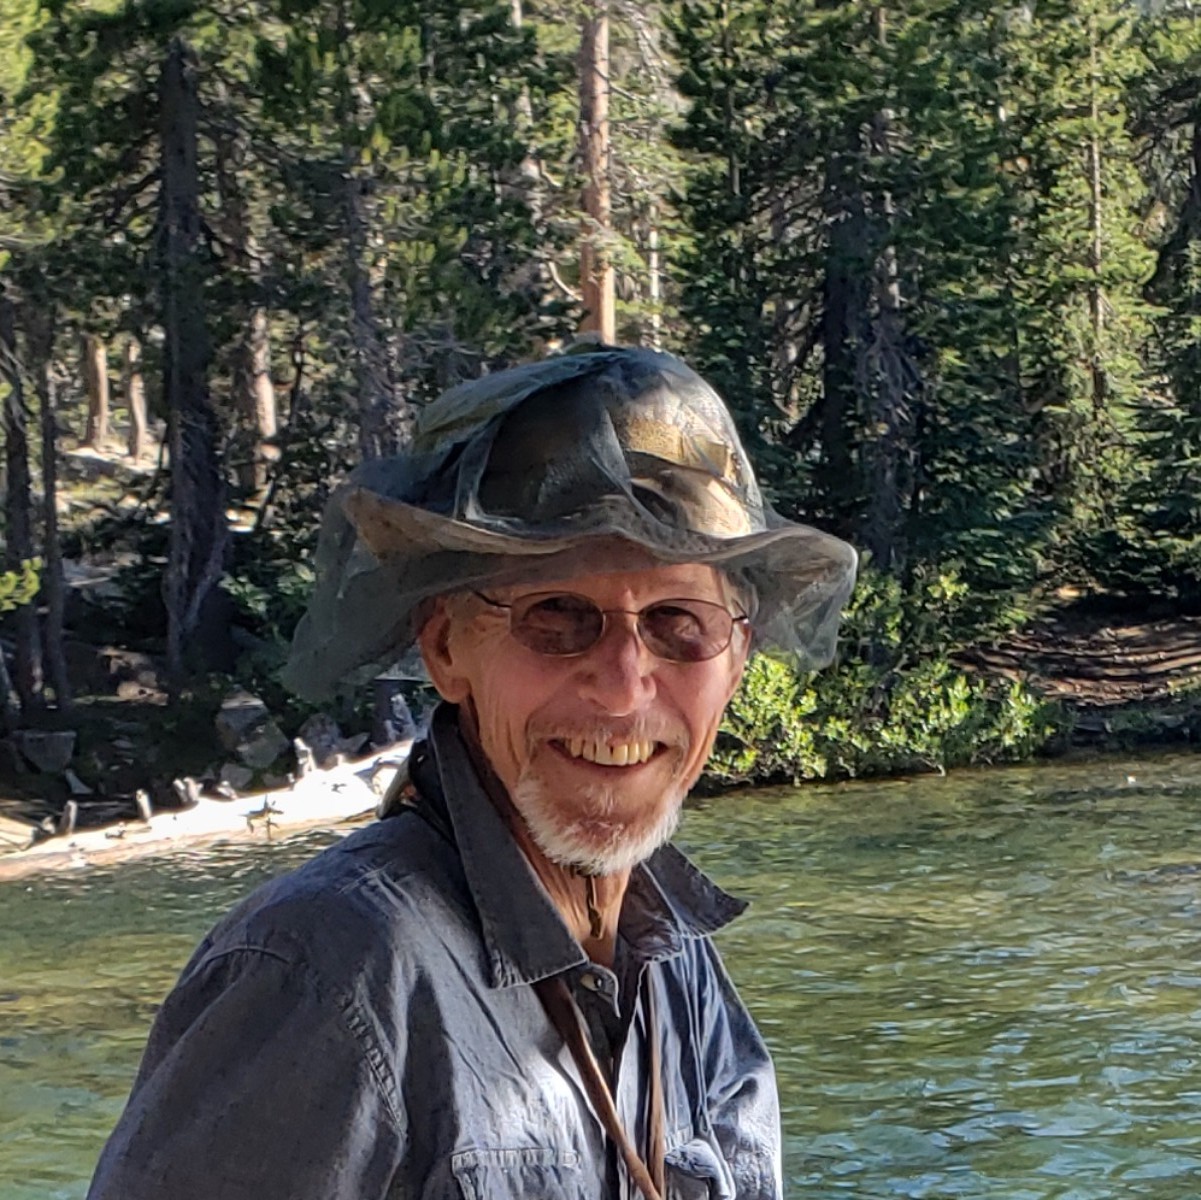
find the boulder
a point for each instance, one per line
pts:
(322, 736)
(238, 778)
(46, 750)
(263, 746)
(76, 785)
(241, 713)
(245, 726)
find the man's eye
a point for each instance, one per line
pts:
(555, 607)
(674, 618)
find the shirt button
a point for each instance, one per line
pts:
(590, 981)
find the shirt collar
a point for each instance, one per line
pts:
(668, 900)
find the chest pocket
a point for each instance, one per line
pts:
(511, 1174)
(695, 1170)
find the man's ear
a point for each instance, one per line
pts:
(434, 642)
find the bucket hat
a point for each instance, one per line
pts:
(584, 462)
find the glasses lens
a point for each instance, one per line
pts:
(686, 630)
(557, 624)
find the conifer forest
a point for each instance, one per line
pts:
(941, 257)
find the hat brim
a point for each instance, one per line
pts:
(385, 557)
(783, 560)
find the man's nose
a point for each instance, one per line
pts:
(620, 668)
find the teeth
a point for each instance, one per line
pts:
(623, 754)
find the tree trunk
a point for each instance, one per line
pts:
(525, 184)
(258, 396)
(40, 326)
(889, 384)
(253, 391)
(844, 327)
(1100, 387)
(18, 548)
(596, 267)
(378, 437)
(198, 528)
(889, 380)
(135, 400)
(10, 710)
(95, 374)
(654, 273)
(383, 421)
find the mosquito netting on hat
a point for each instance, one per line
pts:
(588, 462)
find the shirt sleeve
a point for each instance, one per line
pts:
(258, 1083)
(743, 1103)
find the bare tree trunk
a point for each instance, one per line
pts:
(135, 400)
(377, 436)
(1100, 387)
(95, 374)
(40, 325)
(18, 509)
(888, 379)
(198, 528)
(260, 398)
(786, 345)
(526, 184)
(654, 271)
(890, 385)
(383, 420)
(253, 391)
(844, 327)
(596, 267)
(10, 710)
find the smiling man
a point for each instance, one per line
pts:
(506, 987)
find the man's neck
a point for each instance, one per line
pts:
(590, 905)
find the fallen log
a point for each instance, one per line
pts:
(345, 792)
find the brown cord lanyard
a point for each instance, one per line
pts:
(565, 1015)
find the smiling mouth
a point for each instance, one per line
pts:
(608, 754)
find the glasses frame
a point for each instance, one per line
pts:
(736, 619)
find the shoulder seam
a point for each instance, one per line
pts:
(372, 1051)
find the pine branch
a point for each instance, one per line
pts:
(124, 195)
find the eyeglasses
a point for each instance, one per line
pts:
(563, 624)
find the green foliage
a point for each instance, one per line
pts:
(918, 255)
(895, 702)
(19, 587)
(943, 257)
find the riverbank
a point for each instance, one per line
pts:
(1109, 682)
(343, 792)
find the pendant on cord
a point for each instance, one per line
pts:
(594, 917)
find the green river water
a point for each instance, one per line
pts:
(981, 986)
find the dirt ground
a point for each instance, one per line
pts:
(1124, 678)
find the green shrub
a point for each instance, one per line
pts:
(19, 587)
(895, 702)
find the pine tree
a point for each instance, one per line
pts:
(1158, 547)
(917, 266)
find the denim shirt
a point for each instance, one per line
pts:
(365, 1027)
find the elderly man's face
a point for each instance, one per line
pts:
(555, 728)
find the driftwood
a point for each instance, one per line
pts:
(344, 792)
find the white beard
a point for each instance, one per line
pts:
(587, 838)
